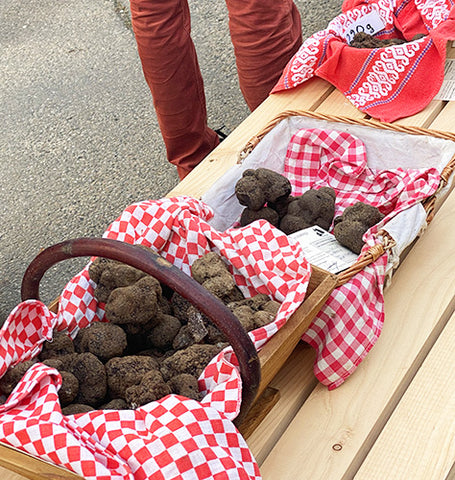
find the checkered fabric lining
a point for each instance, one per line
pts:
(350, 322)
(174, 438)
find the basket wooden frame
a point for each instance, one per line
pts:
(429, 204)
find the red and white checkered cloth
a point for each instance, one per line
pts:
(350, 322)
(390, 82)
(173, 438)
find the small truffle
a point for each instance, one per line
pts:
(162, 335)
(185, 385)
(136, 304)
(14, 375)
(266, 213)
(192, 360)
(61, 344)
(353, 223)
(364, 40)
(115, 404)
(91, 374)
(109, 275)
(69, 388)
(213, 274)
(180, 306)
(262, 318)
(75, 408)
(244, 313)
(105, 340)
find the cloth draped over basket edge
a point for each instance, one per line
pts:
(350, 322)
(174, 437)
(387, 83)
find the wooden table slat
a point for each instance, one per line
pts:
(418, 441)
(335, 429)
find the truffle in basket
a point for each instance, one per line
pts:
(313, 207)
(149, 346)
(353, 223)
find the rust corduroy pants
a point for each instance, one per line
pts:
(265, 34)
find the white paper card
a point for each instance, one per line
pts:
(370, 23)
(447, 90)
(322, 249)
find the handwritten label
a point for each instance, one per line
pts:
(370, 23)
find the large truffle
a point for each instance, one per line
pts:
(105, 340)
(123, 372)
(135, 304)
(353, 223)
(257, 187)
(314, 207)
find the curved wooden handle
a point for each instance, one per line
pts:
(151, 263)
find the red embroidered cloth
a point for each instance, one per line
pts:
(387, 83)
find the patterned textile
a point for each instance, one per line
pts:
(350, 322)
(387, 83)
(178, 438)
(173, 438)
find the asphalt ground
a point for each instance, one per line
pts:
(79, 140)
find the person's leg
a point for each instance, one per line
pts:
(169, 62)
(265, 35)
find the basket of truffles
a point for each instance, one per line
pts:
(349, 192)
(158, 339)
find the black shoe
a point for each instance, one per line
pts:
(220, 133)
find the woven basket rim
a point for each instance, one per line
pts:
(373, 253)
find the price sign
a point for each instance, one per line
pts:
(370, 23)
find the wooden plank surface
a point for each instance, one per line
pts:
(295, 382)
(332, 431)
(337, 104)
(344, 423)
(20, 465)
(418, 441)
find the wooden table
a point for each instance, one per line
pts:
(394, 418)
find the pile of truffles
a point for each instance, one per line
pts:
(153, 343)
(364, 40)
(266, 194)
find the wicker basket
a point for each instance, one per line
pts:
(430, 203)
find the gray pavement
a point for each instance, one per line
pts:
(79, 139)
